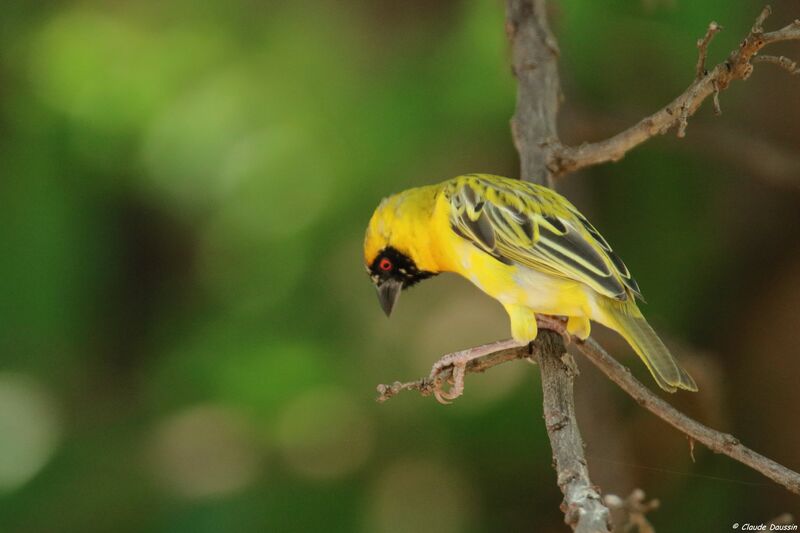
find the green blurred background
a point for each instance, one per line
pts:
(189, 342)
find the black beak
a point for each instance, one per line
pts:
(388, 292)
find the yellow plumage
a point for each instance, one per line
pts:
(522, 244)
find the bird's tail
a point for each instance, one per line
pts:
(627, 320)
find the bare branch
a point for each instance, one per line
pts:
(738, 66)
(714, 440)
(534, 57)
(763, 159)
(534, 54)
(486, 356)
(758, 25)
(482, 358)
(583, 508)
(781, 61)
(717, 108)
(702, 47)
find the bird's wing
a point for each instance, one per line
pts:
(527, 224)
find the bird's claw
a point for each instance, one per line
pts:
(457, 363)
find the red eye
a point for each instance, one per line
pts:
(385, 265)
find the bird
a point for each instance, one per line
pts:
(524, 245)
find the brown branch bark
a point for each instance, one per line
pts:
(738, 66)
(485, 357)
(534, 62)
(782, 61)
(764, 159)
(714, 440)
(583, 508)
(534, 53)
(702, 49)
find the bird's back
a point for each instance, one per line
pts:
(533, 226)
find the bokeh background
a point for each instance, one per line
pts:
(188, 341)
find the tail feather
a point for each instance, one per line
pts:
(630, 323)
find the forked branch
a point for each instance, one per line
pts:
(738, 66)
(714, 440)
(534, 61)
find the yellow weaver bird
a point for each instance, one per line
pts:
(522, 244)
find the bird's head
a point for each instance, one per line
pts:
(397, 250)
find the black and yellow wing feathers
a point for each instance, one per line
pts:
(527, 224)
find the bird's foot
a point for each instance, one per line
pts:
(556, 324)
(457, 363)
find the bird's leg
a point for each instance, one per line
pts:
(579, 326)
(457, 362)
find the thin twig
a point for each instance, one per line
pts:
(738, 66)
(782, 61)
(487, 356)
(702, 47)
(758, 25)
(717, 108)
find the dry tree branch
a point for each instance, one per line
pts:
(763, 159)
(702, 47)
(582, 506)
(534, 57)
(782, 61)
(738, 66)
(490, 356)
(714, 440)
(483, 358)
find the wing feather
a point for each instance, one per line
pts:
(527, 224)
